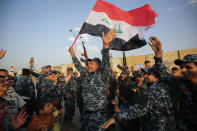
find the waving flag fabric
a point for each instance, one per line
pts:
(130, 25)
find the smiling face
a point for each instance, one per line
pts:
(51, 76)
(3, 85)
(5, 74)
(93, 66)
(139, 79)
(189, 70)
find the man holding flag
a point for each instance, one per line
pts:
(95, 85)
(125, 31)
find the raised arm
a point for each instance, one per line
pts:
(2, 53)
(31, 63)
(76, 62)
(156, 46)
(107, 38)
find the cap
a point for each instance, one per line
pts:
(69, 69)
(174, 68)
(46, 66)
(138, 73)
(97, 60)
(187, 59)
(49, 73)
(145, 70)
(25, 71)
(55, 71)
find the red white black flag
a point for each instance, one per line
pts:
(130, 25)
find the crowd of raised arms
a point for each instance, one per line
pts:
(149, 99)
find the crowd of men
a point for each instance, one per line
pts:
(149, 99)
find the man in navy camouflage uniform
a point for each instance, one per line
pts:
(183, 90)
(95, 85)
(156, 101)
(70, 90)
(46, 86)
(79, 98)
(25, 88)
(187, 114)
(44, 70)
(136, 89)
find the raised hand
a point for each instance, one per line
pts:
(16, 123)
(2, 53)
(85, 54)
(108, 123)
(108, 37)
(31, 62)
(156, 46)
(61, 111)
(114, 102)
(71, 51)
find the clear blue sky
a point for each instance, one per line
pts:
(39, 28)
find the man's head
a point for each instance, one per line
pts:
(139, 76)
(188, 66)
(12, 81)
(69, 70)
(123, 75)
(26, 72)
(152, 74)
(3, 84)
(55, 102)
(50, 75)
(44, 107)
(94, 64)
(46, 68)
(5, 73)
(147, 64)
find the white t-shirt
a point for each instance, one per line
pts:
(14, 102)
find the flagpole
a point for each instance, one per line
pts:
(81, 28)
(75, 40)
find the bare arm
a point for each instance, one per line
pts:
(2, 53)
(76, 62)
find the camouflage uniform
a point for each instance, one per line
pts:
(45, 88)
(25, 88)
(156, 101)
(79, 95)
(94, 93)
(70, 88)
(136, 91)
(141, 122)
(184, 99)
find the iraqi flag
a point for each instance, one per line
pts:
(130, 25)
